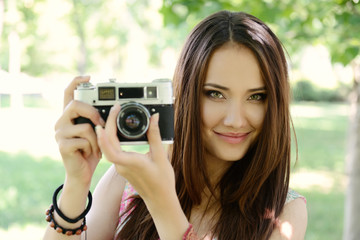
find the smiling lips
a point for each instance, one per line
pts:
(232, 138)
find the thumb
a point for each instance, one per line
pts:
(154, 138)
(105, 145)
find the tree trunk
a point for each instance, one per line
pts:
(352, 203)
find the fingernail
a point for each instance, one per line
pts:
(86, 77)
(116, 105)
(97, 129)
(102, 122)
(156, 117)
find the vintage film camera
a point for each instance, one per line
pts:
(138, 102)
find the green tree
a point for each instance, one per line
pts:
(87, 27)
(333, 23)
(94, 21)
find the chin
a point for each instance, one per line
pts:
(229, 155)
(230, 158)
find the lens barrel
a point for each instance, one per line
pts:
(133, 120)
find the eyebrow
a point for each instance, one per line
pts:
(257, 89)
(215, 86)
(226, 89)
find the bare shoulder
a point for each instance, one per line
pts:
(292, 221)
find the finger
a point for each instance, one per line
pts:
(75, 146)
(69, 90)
(111, 126)
(154, 138)
(114, 154)
(106, 147)
(77, 109)
(83, 131)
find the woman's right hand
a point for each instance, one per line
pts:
(77, 142)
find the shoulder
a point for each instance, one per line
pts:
(292, 220)
(292, 195)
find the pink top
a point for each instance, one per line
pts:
(126, 200)
(129, 191)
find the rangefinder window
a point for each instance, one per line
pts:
(106, 93)
(151, 92)
(133, 92)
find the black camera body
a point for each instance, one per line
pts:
(138, 102)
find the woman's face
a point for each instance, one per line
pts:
(233, 103)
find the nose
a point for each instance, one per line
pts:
(235, 116)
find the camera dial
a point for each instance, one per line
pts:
(133, 120)
(85, 86)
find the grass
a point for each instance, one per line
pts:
(325, 214)
(321, 130)
(27, 182)
(27, 185)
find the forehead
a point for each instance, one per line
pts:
(234, 66)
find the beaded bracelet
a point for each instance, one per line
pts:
(56, 226)
(59, 229)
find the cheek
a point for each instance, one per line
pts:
(256, 116)
(211, 114)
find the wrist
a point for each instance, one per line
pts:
(72, 199)
(76, 183)
(62, 218)
(168, 216)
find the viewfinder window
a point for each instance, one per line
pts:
(131, 92)
(106, 93)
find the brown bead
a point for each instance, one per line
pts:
(47, 212)
(48, 218)
(52, 224)
(59, 230)
(69, 233)
(78, 232)
(85, 228)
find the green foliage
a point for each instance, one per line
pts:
(305, 90)
(89, 26)
(97, 31)
(35, 60)
(334, 23)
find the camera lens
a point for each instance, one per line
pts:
(133, 120)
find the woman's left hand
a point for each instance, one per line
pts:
(150, 174)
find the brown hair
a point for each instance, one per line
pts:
(259, 182)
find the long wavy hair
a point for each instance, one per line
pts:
(258, 183)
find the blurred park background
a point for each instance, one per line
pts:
(45, 43)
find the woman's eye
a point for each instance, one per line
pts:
(258, 97)
(214, 94)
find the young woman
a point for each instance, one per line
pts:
(226, 175)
